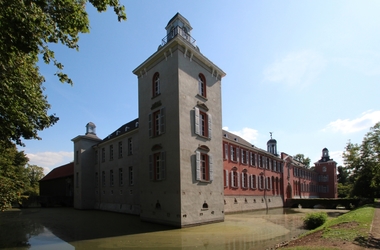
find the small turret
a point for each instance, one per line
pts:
(272, 145)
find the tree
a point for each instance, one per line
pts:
(27, 28)
(301, 158)
(12, 174)
(364, 161)
(343, 175)
(344, 182)
(34, 173)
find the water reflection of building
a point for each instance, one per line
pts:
(174, 164)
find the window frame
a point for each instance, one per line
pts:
(120, 149)
(204, 167)
(202, 86)
(130, 176)
(202, 123)
(156, 122)
(121, 179)
(157, 166)
(156, 85)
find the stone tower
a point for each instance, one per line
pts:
(180, 116)
(84, 160)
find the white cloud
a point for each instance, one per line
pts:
(50, 160)
(296, 69)
(248, 134)
(364, 122)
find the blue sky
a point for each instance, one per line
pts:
(308, 71)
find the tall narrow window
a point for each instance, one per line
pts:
(121, 180)
(157, 123)
(202, 85)
(111, 178)
(253, 181)
(244, 179)
(120, 149)
(156, 84)
(225, 178)
(111, 152)
(226, 151)
(157, 168)
(96, 179)
(203, 167)
(202, 123)
(103, 154)
(235, 178)
(131, 177)
(103, 178)
(130, 148)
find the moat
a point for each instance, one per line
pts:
(67, 228)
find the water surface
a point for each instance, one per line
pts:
(67, 228)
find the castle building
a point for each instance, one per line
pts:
(174, 164)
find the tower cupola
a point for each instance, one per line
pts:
(325, 155)
(90, 128)
(272, 145)
(179, 25)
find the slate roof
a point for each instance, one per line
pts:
(126, 128)
(60, 172)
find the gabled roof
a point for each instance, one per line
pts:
(60, 172)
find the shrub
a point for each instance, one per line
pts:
(314, 220)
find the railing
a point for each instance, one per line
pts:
(178, 31)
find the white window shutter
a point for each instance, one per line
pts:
(251, 158)
(238, 179)
(226, 151)
(198, 165)
(232, 179)
(210, 168)
(209, 126)
(237, 154)
(196, 120)
(232, 153)
(226, 174)
(150, 124)
(242, 180)
(257, 160)
(163, 165)
(150, 167)
(162, 121)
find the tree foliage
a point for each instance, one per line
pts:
(304, 160)
(27, 28)
(12, 175)
(364, 162)
(34, 173)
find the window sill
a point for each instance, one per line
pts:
(202, 97)
(204, 181)
(155, 96)
(204, 137)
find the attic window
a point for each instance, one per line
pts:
(236, 139)
(225, 135)
(136, 124)
(126, 129)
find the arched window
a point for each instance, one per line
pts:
(234, 178)
(156, 84)
(202, 85)
(244, 179)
